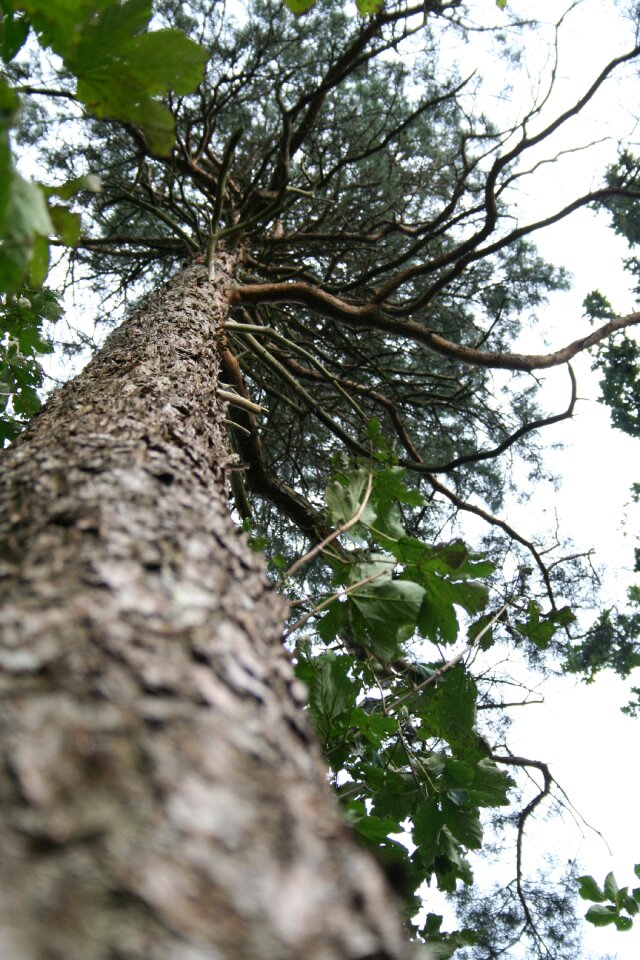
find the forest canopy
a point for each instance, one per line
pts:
(343, 173)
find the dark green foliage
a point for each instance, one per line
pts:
(501, 930)
(613, 905)
(611, 642)
(597, 307)
(443, 945)
(24, 318)
(397, 722)
(618, 360)
(624, 210)
(119, 69)
(374, 157)
(14, 30)
(119, 66)
(540, 628)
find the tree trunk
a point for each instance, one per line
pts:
(160, 794)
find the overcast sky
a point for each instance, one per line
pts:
(593, 749)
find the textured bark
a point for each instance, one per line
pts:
(160, 794)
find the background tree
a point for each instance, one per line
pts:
(329, 176)
(612, 640)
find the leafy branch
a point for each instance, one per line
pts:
(398, 728)
(613, 905)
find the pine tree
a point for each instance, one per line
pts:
(344, 274)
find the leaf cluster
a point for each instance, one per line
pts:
(613, 905)
(119, 70)
(24, 320)
(396, 719)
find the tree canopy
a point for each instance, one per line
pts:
(375, 394)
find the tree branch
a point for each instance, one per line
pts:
(372, 317)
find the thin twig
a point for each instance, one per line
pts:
(522, 819)
(237, 401)
(219, 200)
(255, 328)
(450, 664)
(319, 547)
(345, 591)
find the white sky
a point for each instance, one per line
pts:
(592, 749)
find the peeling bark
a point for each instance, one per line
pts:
(160, 794)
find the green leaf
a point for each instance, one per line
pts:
(601, 916)
(438, 620)
(452, 555)
(26, 218)
(484, 783)
(119, 66)
(451, 865)
(540, 628)
(345, 495)
(9, 430)
(463, 823)
(332, 692)
(427, 825)
(455, 773)
(368, 7)
(390, 489)
(59, 22)
(395, 795)
(299, 6)
(145, 65)
(334, 622)
(385, 613)
(156, 123)
(66, 191)
(486, 640)
(432, 924)
(107, 35)
(30, 343)
(623, 923)
(66, 224)
(589, 890)
(448, 711)
(28, 213)
(26, 401)
(9, 107)
(381, 516)
(373, 727)
(446, 572)
(14, 30)
(39, 266)
(610, 887)
(375, 828)
(442, 946)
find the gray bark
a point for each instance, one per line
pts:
(160, 794)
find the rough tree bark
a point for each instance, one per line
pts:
(160, 794)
